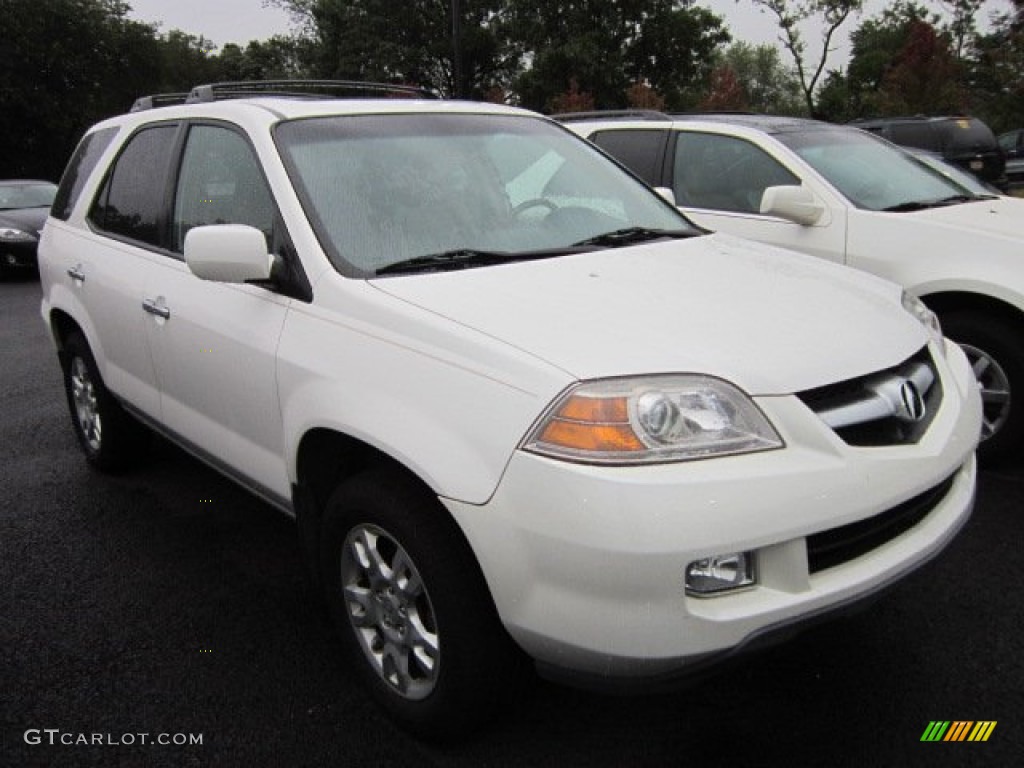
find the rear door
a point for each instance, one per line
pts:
(104, 264)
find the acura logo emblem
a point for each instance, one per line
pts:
(911, 405)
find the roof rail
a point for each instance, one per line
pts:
(705, 112)
(158, 100)
(613, 114)
(302, 89)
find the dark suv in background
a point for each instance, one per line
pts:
(961, 140)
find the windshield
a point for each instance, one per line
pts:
(28, 195)
(969, 182)
(384, 189)
(870, 172)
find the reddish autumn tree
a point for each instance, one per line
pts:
(726, 93)
(573, 100)
(923, 77)
(642, 96)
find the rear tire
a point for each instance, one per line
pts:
(995, 349)
(111, 438)
(416, 619)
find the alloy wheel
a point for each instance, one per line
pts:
(390, 611)
(995, 389)
(83, 392)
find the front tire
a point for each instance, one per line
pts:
(111, 438)
(995, 349)
(415, 616)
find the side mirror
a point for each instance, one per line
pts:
(666, 193)
(793, 203)
(227, 253)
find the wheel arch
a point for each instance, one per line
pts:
(62, 325)
(326, 458)
(947, 302)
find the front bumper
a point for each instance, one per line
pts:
(586, 564)
(18, 254)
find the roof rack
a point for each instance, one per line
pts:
(302, 89)
(612, 114)
(158, 100)
(727, 112)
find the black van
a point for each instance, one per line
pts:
(964, 141)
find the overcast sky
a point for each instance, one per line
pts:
(239, 21)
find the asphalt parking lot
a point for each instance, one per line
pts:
(170, 603)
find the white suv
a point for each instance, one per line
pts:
(842, 194)
(518, 404)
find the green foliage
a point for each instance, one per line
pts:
(606, 47)
(767, 84)
(997, 77)
(410, 42)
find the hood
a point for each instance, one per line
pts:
(29, 219)
(1001, 217)
(769, 321)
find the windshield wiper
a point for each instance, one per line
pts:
(464, 258)
(921, 205)
(631, 235)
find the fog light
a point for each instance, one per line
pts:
(721, 573)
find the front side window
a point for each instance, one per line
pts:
(131, 201)
(724, 173)
(382, 189)
(220, 182)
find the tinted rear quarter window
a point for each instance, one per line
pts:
(80, 167)
(922, 135)
(132, 200)
(642, 151)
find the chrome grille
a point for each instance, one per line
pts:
(890, 407)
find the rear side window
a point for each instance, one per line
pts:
(921, 135)
(131, 202)
(639, 150)
(81, 166)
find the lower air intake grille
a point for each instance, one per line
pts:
(839, 545)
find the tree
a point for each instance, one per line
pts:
(997, 80)
(789, 15)
(411, 42)
(726, 92)
(280, 57)
(923, 77)
(65, 64)
(608, 46)
(767, 84)
(962, 26)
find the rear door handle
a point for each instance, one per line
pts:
(151, 306)
(76, 273)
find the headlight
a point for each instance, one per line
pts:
(11, 235)
(925, 316)
(651, 419)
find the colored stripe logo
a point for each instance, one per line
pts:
(958, 730)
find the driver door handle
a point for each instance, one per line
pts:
(151, 306)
